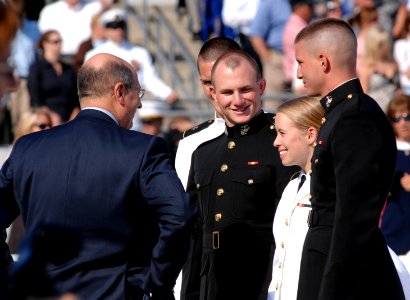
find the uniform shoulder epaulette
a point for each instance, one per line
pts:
(271, 118)
(197, 128)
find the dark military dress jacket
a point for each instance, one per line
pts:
(238, 179)
(345, 255)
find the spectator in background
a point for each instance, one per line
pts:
(32, 120)
(10, 18)
(302, 13)
(239, 14)
(115, 24)
(151, 115)
(72, 19)
(51, 82)
(23, 56)
(379, 72)
(363, 17)
(212, 22)
(266, 33)
(401, 54)
(395, 222)
(96, 39)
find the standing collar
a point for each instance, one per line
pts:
(253, 126)
(342, 91)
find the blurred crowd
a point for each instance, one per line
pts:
(56, 37)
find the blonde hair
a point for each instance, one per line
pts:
(376, 37)
(27, 120)
(304, 112)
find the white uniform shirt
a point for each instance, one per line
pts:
(188, 145)
(147, 75)
(74, 25)
(289, 229)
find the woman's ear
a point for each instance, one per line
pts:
(311, 135)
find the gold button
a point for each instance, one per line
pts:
(218, 217)
(286, 222)
(272, 127)
(310, 196)
(350, 96)
(198, 186)
(310, 172)
(220, 192)
(282, 245)
(224, 168)
(250, 181)
(323, 120)
(231, 145)
(316, 160)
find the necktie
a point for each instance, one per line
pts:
(302, 180)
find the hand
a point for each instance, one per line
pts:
(172, 98)
(405, 182)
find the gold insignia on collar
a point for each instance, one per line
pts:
(350, 96)
(244, 129)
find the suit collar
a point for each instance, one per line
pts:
(97, 114)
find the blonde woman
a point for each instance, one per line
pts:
(379, 72)
(297, 124)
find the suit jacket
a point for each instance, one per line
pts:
(238, 179)
(117, 189)
(345, 255)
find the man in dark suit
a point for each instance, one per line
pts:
(237, 179)
(116, 188)
(345, 255)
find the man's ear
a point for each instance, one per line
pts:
(212, 92)
(324, 62)
(119, 93)
(262, 86)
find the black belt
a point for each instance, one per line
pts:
(320, 218)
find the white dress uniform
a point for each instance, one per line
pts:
(147, 74)
(289, 229)
(188, 145)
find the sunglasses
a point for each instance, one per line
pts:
(116, 25)
(396, 119)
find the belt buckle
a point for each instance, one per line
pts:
(309, 218)
(215, 240)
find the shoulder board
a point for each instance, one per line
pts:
(271, 119)
(197, 128)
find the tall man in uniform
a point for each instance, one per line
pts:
(210, 51)
(237, 179)
(345, 255)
